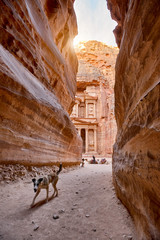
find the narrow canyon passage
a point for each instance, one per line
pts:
(87, 208)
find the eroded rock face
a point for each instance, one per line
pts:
(136, 158)
(37, 82)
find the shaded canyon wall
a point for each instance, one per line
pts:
(136, 157)
(37, 82)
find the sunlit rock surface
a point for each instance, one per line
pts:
(136, 158)
(37, 82)
(96, 77)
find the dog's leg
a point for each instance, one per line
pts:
(55, 188)
(38, 191)
(47, 191)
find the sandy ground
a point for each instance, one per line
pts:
(87, 207)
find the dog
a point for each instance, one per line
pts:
(43, 183)
(82, 163)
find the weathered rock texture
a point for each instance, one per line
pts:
(136, 158)
(96, 78)
(37, 82)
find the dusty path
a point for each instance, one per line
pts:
(87, 208)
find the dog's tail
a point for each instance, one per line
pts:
(60, 168)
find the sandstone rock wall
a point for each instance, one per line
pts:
(37, 82)
(136, 158)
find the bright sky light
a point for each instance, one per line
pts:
(94, 22)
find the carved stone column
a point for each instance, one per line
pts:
(94, 109)
(86, 139)
(86, 109)
(95, 139)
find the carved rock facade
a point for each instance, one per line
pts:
(136, 157)
(93, 113)
(37, 82)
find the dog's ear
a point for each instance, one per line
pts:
(33, 180)
(40, 180)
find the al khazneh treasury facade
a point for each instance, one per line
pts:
(84, 117)
(93, 112)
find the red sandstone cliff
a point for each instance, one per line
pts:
(136, 158)
(97, 68)
(37, 82)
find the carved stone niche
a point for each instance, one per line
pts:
(81, 110)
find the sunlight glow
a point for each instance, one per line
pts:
(79, 45)
(76, 41)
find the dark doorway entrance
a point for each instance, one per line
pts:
(83, 136)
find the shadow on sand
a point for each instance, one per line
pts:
(42, 202)
(28, 211)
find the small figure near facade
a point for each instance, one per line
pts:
(103, 161)
(93, 160)
(82, 163)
